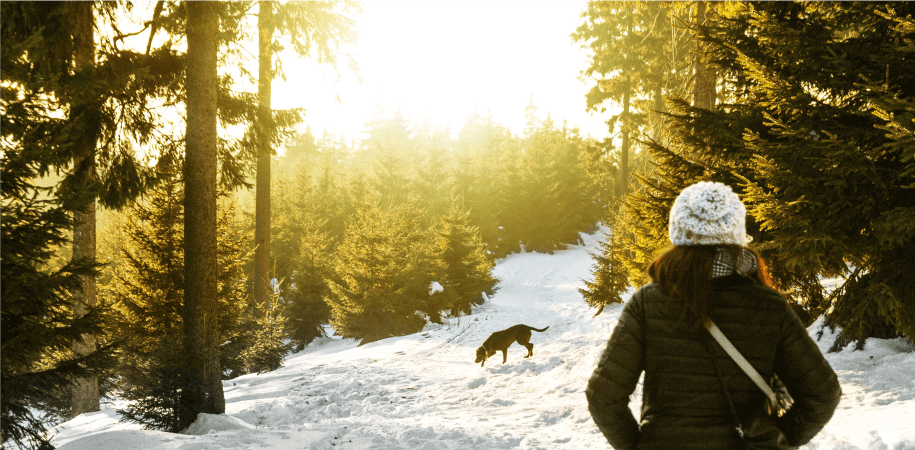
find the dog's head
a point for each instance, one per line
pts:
(481, 355)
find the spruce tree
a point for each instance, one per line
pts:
(558, 198)
(306, 312)
(302, 256)
(487, 179)
(311, 29)
(433, 183)
(390, 154)
(202, 392)
(830, 183)
(266, 349)
(639, 222)
(380, 277)
(38, 367)
(149, 292)
(104, 92)
(810, 138)
(608, 284)
(462, 268)
(639, 54)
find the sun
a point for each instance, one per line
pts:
(442, 60)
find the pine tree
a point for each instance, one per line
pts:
(306, 312)
(380, 277)
(267, 349)
(149, 293)
(639, 223)
(302, 254)
(202, 392)
(829, 183)
(462, 269)
(807, 140)
(639, 55)
(558, 198)
(104, 92)
(434, 182)
(313, 29)
(390, 154)
(487, 179)
(38, 367)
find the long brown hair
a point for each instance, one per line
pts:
(684, 274)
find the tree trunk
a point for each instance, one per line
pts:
(704, 91)
(84, 395)
(266, 28)
(203, 389)
(624, 155)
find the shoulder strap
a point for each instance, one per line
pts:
(727, 396)
(741, 361)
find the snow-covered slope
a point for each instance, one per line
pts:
(424, 391)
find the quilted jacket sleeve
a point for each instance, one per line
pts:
(809, 379)
(615, 378)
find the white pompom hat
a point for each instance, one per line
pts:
(708, 213)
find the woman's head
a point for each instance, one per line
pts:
(707, 228)
(708, 213)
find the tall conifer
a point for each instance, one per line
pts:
(148, 292)
(203, 390)
(381, 277)
(462, 268)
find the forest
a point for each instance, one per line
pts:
(164, 228)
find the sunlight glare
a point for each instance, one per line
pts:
(443, 59)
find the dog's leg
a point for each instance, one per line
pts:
(530, 349)
(504, 356)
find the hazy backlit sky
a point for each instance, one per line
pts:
(443, 58)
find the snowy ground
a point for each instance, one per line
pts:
(424, 391)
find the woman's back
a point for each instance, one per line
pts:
(708, 274)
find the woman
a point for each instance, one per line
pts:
(708, 274)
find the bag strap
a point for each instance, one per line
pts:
(741, 361)
(727, 396)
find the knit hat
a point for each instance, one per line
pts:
(708, 213)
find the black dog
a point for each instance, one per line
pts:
(501, 340)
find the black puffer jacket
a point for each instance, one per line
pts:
(683, 406)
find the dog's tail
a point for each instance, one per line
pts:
(544, 329)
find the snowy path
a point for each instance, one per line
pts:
(424, 391)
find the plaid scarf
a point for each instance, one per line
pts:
(725, 263)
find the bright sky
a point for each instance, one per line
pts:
(444, 58)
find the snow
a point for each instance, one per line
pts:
(435, 287)
(424, 391)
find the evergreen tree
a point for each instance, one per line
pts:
(306, 311)
(829, 183)
(433, 183)
(149, 293)
(267, 349)
(608, 284)
(303, 250)
(808, 140)
(103, 91)
(462, 268)
(329, 191)
(38, 367)
(390, 154)
(639, 224)
(558, 198)
(487, 179)
(203, 389)
(381, 275)
(313, 29)
(639, 55)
